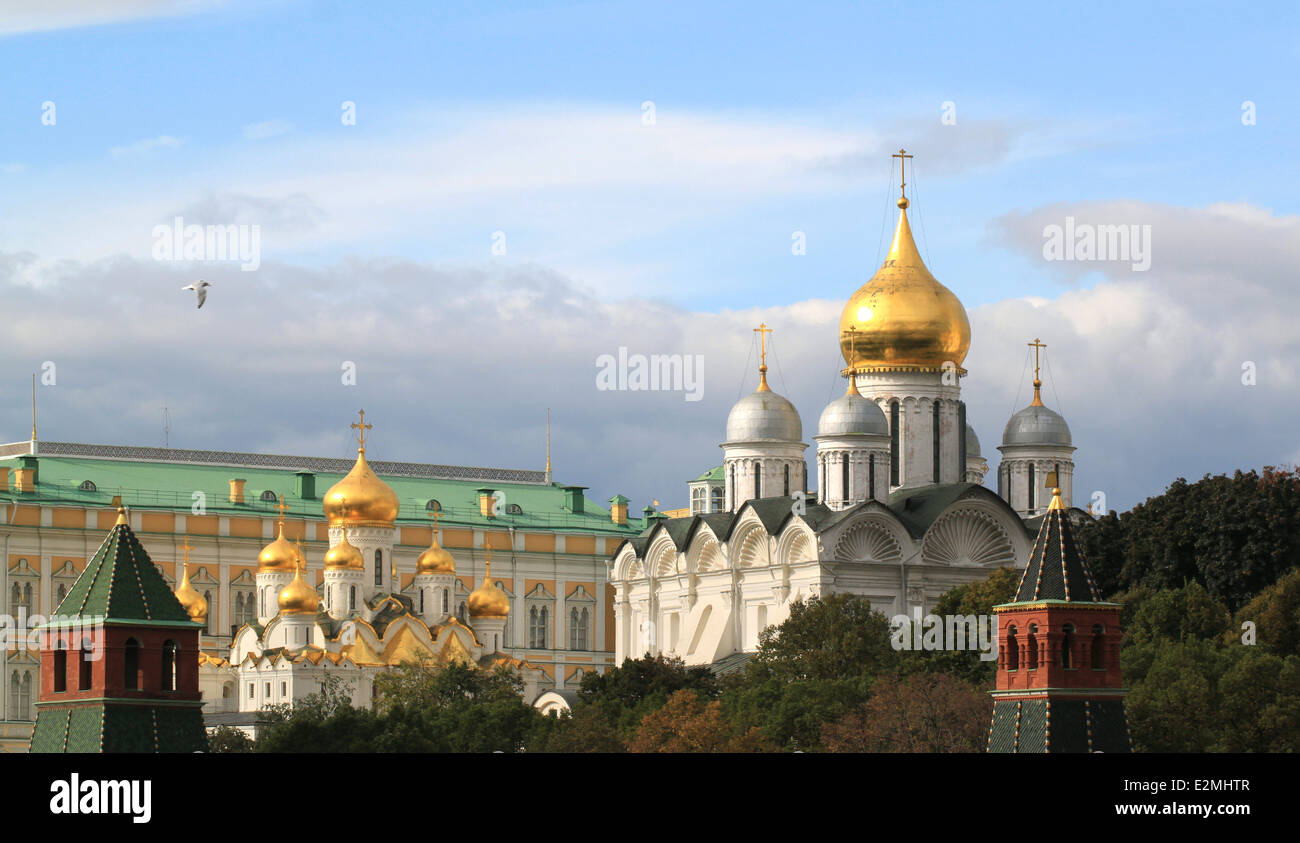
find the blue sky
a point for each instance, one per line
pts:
(770, 119)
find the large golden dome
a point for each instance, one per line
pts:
(903, 319)
(344, 556)
(298, 598)
(191, 601)
(360, 498)
(488, 601)
(278, 556)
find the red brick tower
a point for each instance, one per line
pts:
(1059, 687)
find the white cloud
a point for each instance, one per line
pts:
(146, 145)
(267, 129)
(43, 15)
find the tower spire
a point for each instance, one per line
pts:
(762, 330)
(1038, 398)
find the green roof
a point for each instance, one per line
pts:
(1057, 569)
(121, 583)
(712, 474)
(166, 485)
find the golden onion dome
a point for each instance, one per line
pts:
(278, 556)
(488, 601)
(344, 556)
(298, 598)
(903, 319)
(361, 498)
(191, 601)
(435, 560)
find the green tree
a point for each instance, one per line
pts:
(931, 712)
(975, 599)
(229, 739)
(834, 637)
(1275, 612)
(626, 693)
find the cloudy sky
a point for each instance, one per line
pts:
(525, 189)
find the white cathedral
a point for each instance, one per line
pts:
(901, 514)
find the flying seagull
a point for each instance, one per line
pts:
(200, 287)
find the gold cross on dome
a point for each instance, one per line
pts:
(1036, 345)
(762, 330)
(362, 427)
(186, 548)
(902, 157)
(281, 506)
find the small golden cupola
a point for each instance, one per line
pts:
(361, 499)
(280, 556)
(344, 556)
(190, 599)
(436, 559)
(298, 598)
(488, 601)
(903, 319)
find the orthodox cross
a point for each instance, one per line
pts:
(902, 157)
(186, 548)
(1036, 345)
(362, 427)
(762, 330)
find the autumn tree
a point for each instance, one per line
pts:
(688, 724)
(923, 712)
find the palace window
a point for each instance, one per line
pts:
(20, 696)
(63, 592)
(88, 486)
(268, 495)
(514, 509)
(433, 505)
(718, 503)
(697, 501)
(578, 622)
(212, 613)
(537, 621)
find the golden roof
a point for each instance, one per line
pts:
(279, 555)
(488, 601)
(298, 598)
(903, 318)
(361, 498)
(435, 560)
(344, 556)
(193, 603)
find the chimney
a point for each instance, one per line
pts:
(486, 502)
(237, 491)
(618, 510)
(34, 464)
(650, 517)
(4, 479)
(305, 485)
(573, 499)
(24, 479)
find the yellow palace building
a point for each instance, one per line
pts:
(302, 568)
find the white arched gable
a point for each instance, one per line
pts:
(627, 566)
(974, 533)
(661, 557)
(870, 538)
(796, 543)
(704, 553)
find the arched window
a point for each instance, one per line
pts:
(25, 697)
(85, 664)
(60, 668)
(88, 486)
(514, 509)
(1013, 649)
(844, 477)
(170, 651)
(62, 593)
(697, 501)
(893, 442)
(578, 620)
(1067, 646)
(787, 482)
(422, 601)
(352, 598)
(1032, 488)
(131, 665)
(935, 422)
(445, 596)
(212, 613)
(379, 567)
(733, 486)
(460, 611)
(15, 601)
(1032, 653)
(758, 480)
(718, 503)
(537, 617)
(27, 595)
(268, 495)
(15, 688)
(433, 505)
(1098, 647)
(871, 475)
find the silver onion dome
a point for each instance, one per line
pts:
(1036, 425)
(852, 413)
(764, 415)
(972, 443)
